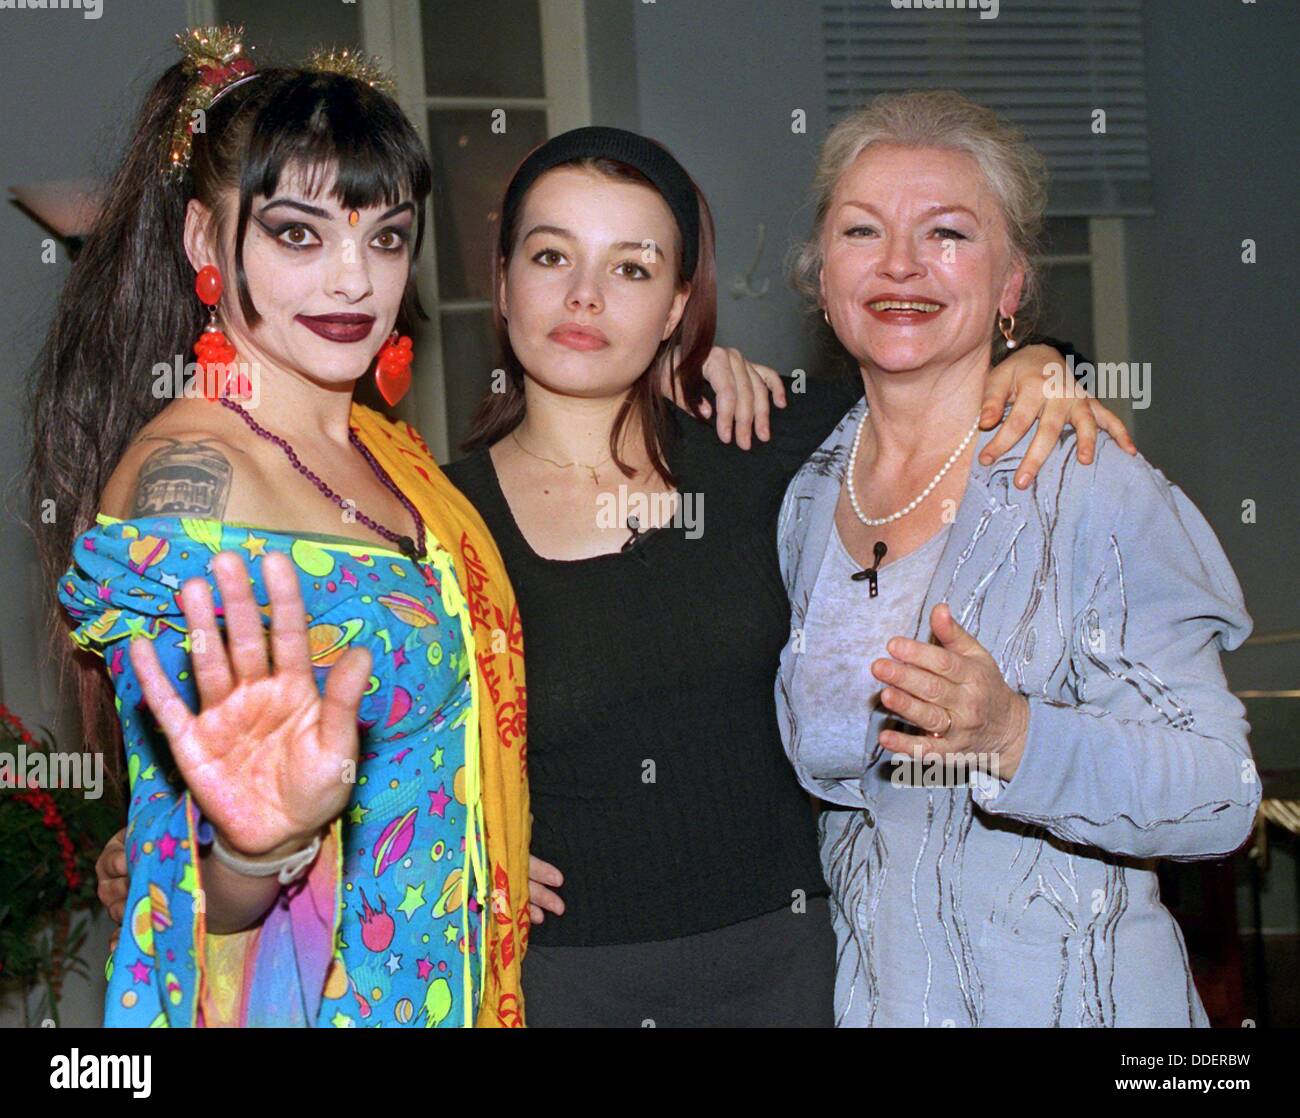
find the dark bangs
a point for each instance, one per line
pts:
(318, 123)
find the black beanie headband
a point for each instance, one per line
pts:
(595, 142)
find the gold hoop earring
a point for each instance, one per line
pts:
(1008, 327)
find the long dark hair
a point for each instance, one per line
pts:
(129, 299)
(499, 413)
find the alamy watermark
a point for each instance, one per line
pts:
(178, 379)
(42, 769)
(988, 9)
(1106, 380)
(941, 770)
(614, 511)
(89, 9)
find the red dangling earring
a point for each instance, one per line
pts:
(393, 369)
(213, 348)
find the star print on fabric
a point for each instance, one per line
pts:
(449, 933)
(357, 813)
(347, 577)
(393, 962)
(438, 801)
(399, 657)
(413, 900)
(139, 972)
(341, 1020)
(189, 879)
(436, 758)
(169, 580)
(166, 847)
(423, 967)
(255, 546)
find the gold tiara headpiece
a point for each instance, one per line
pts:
(353, 64)
(218, 60)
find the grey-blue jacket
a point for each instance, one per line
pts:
(1105, 598)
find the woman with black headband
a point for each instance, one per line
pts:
(642, 549)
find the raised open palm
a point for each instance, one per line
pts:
(269, 759)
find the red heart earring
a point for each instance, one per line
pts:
(393, 369)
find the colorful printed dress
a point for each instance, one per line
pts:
(376, 933)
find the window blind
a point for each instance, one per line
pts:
(1047, 65)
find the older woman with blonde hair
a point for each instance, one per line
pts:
(1011, 699)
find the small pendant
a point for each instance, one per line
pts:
(406, 546)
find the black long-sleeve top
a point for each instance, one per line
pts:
(659, 784)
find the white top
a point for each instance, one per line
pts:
(845, 630)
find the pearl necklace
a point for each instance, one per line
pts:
(853, 466)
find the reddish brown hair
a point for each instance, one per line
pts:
(499, 413)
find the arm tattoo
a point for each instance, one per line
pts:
(192, 478)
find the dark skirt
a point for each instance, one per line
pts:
(771, 971)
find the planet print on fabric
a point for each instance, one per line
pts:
(151, 914)
(394, 841)
(437, 1002)
(409, 609)
(327, 642)
(401, 707)
(449, 896)
(103, 624)
(312, 558)
(162, 917)
(146, 551)
(142, 926)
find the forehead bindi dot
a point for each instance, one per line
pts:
(353, 217)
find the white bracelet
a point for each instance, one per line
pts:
(287, 869)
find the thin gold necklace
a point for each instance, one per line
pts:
(563, 465)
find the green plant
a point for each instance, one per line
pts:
(50, 838)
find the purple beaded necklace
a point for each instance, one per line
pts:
(412, 549)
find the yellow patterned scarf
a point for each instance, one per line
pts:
(492, 635)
